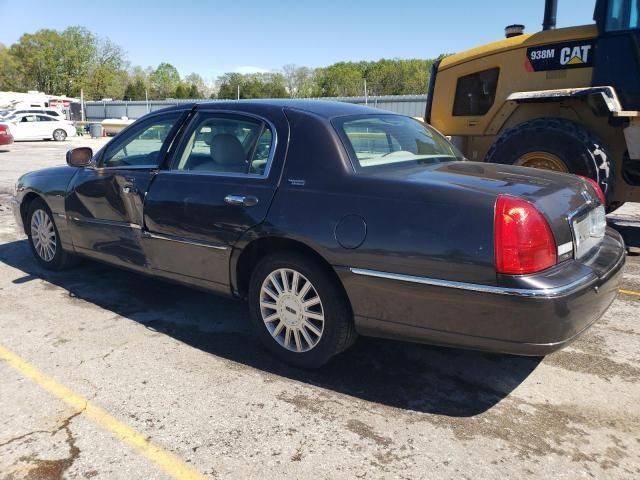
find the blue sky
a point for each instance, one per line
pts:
(211, 37)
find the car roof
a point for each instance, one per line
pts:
(323, 108)
(28, 114)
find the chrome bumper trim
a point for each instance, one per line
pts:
(476, 287)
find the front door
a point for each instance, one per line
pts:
(218, 186)
(28, 127)
(106, 199)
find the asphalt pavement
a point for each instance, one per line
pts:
(108, 374)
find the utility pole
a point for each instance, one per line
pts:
(366, 96)
(82, 105)
(146, 97)
(238, 91)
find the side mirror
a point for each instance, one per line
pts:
(79, 157)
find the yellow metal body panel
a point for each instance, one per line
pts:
(509, 55)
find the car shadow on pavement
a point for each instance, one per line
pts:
(436, 380)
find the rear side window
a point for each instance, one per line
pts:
(476, 93)
(392, 141)
(226, 144)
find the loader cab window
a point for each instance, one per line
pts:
(623, 15)
(476, 93)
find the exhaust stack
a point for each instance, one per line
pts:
(550, 14)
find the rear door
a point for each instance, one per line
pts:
(46, 126)
(106, 200)
(220, 184)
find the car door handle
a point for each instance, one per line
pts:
(243, 200)
(129, 189)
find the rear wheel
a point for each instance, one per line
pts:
(59, 135)
(44, 238)
(299, 311)
(555, 144)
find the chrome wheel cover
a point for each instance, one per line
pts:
(43, 235)
(59, 135)
(291, 310)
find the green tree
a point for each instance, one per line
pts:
(180, 92)
(10, 78)
(397, 77)
(201, 86)
(228, 85)
(194, 92)
(78, 55)
(38, 58)
(253, 85)
(343, 79)
(135, 90)
(299, 80)
(164, 81)
(63, 63)
(107, 76)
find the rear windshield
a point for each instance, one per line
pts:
(392, 141)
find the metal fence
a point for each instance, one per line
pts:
(412, 105)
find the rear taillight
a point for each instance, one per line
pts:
(4, 129)
(524, 242)
(596, 187)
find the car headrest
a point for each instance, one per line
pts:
(226, 149)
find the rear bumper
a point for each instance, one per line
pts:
(522, 321)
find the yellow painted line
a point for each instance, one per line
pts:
(630, 292)
(170, 463)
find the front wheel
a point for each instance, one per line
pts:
(59, 135)
(44, 238)
(299, 311)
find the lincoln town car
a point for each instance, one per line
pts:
(334, 220)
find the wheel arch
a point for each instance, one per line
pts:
(258, 248)
(25, 204)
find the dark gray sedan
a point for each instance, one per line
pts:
(334, 220)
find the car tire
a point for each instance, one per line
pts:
(44, 239)
(555, 142)
(304, 341)
(59, 135)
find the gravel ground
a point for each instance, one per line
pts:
(178, 368)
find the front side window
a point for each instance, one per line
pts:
(140, 146)
(231, 144)
(391, 141)
(476, 93)
(623, 15)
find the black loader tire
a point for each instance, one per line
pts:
(582, 152)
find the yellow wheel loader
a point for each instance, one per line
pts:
(565, 99)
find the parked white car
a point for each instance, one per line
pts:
(52, 112)
(40, 127)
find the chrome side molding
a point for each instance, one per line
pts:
(476, 287)
(169, 238)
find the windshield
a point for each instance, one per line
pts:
(623, 15)
(392, 141)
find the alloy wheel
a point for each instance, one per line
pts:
(292, 310)
(43, 235)
(59, 135)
